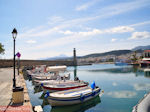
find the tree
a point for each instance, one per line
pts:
(134, 57)
(2, 49)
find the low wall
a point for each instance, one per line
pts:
(9, 63)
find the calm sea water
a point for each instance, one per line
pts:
(123, 87)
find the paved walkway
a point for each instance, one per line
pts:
(6, 84)
(6, 76)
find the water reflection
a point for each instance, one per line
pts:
(129, 69)
(121, 84)
(75, 71)
(121, 94)
(115, 70)
(79, 107)
(37, 89)
(143, 72)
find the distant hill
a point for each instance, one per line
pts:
(138, 49)
(141, 48)
(60, 57)
(115, 52)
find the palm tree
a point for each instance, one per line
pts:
(134, 57)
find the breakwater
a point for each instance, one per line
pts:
(9, 63)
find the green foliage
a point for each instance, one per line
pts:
(134, 59)
(2, 49)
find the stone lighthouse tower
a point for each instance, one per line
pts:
(74, 57)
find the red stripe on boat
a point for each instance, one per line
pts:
(61, 89)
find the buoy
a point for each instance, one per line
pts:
(42, 84)
(46, 95)
(93, 85)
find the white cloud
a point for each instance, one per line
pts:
(122, 94)
(67, 32)
(113, 40)
(55, 19)
(114, 84)
(86, 5)
(140, 35)
(120, 29)
(31, 41)
(73, 37)
(90, 33)
(142, 86)
(140, 24)
(122, 8)
(80, 36)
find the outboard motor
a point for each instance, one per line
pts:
(76, 79)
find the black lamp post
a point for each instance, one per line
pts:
(14, 35)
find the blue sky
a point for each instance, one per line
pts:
(48, 28)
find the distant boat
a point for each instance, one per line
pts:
(73, 96)
(146, 60)
(120, 62)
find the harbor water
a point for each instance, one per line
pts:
(123, 87)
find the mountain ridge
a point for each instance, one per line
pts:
(138, 49)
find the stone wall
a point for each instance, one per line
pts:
(9, 63)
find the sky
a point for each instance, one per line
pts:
(48, 28)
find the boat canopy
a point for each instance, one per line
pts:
(56, 68)
(146, 59)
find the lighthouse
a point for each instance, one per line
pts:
(74, 57)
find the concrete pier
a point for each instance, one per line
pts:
(6, 84)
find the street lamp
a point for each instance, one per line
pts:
(14, 35)
(18, 95)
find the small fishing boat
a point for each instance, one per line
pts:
(50, 77)
(145, 62)
(143, 104)
(51, 73)
(73, 96)
(56, 68)
(60, 86)
(46, 82)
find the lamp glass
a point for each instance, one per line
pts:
(14, 33)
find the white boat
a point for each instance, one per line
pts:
(61, 86)
(53, 82)
(56, 68)
(73, 96)
(145, 62)
(51, 73)
(50, 77)
(143, 105)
